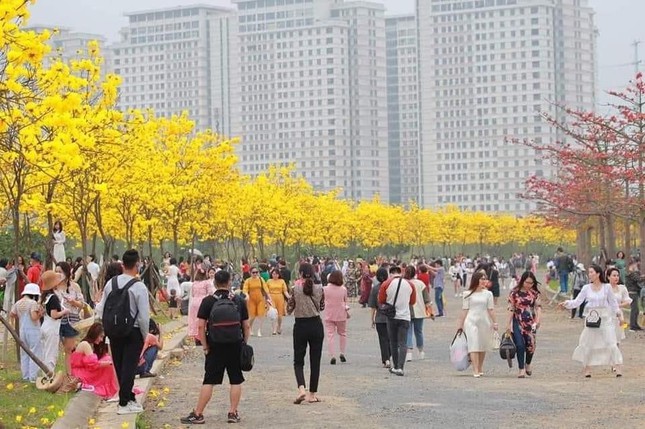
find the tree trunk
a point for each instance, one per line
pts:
(150, 241)
(583, 243)
(627, 248)
(602, 242)
(641, 230)
(611, 236)
(94, 243)
(175, 245)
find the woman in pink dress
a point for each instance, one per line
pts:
(202, 287)
(92, 364)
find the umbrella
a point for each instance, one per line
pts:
(195, 252)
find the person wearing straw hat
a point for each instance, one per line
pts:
(28, 312)
(54, 312)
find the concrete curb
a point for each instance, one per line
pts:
(85, 405)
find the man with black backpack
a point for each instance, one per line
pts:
(222, 328)
(125, 313)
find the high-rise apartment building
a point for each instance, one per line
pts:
(313, 92)
(403, 108)
(487, 70)
(181, 59)
(70, 45)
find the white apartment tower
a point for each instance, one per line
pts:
(313, 92)
(487, 69)
(403, 108)
(69, 45)
(181, 59)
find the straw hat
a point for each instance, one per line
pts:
(31, 289)
(51, 279)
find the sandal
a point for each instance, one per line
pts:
(314, 400)
(300, 399)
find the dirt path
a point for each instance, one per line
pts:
(361, 394)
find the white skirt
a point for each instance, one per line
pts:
(598, 346)
(620, 332)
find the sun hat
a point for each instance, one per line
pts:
(31, 289)
(51, 279)
(581, 266)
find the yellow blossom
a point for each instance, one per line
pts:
(32, 410)
(10, 386)
(18, 419)
(125, 425)
(91, 422)
(60, 413)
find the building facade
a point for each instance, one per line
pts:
(488, 69)
(181, 59)
(403, 108)
(312, 92)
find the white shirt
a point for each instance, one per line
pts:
(94, 269)
(603, 298)
(402, 300)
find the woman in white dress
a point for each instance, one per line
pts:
(172, 277)
(478, 320)
(597, 346)
(622, 298)
(58, 237)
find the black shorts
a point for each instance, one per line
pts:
(223, 357)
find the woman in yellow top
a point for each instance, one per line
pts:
(279, 294)
(257, 299)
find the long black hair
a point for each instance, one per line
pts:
(67, 272)
(600, 272)
(527, 275)
(307, 273)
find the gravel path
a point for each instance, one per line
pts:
(361, 394)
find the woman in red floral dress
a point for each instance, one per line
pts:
(524, 319)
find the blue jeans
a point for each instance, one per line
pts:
(416, 330)
(564, 281)
(438, 298)
(521, 340)
(149, 357)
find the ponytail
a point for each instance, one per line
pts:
(308, 287)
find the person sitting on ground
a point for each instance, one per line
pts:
(151, 346)
(92, 364)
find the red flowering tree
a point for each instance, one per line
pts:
(598, 169)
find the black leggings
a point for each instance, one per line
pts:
(383, 341)
(308, 331)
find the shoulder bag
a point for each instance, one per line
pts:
(389, 310)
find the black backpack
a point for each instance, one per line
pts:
(224, 324)
(117, 320)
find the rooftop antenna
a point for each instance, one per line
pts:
(637, 61)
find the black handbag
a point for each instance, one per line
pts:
(247, 358)
(389, 310)
(507, 349)
(593, 319)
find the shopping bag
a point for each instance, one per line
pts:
(459, 351)
(497, 340)
(272, 314)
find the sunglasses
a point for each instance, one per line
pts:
(254, 272)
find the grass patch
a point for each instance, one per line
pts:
(21, 404)
(142, 422)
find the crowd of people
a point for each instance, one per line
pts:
(227, 305)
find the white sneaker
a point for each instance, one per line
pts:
(422, 355)
(113, 399)
(408, 357)
(131, 408)
(259, 334)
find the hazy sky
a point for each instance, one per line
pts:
(619, 22)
